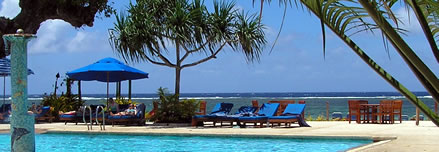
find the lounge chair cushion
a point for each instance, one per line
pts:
(268, 109)
(284, 117)
(140, 110)
(253, 118)
(122, 117)
(294, 109)
(222, 109)
(246, 111)
(44, 111)
(67, 116)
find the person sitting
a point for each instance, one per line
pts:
(36, 109)
(130, 111)
(113, 107)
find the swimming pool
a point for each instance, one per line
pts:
(166, 143)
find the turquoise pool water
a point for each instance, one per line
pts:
(128, 143)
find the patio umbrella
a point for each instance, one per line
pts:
(107, 70)
(5, 70)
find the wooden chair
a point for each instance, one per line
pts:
(202, 110)
(282, 105)
(385, 112)
(355, 109)
(255, 104)
(397, 109)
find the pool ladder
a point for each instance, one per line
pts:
(90, 126)
(101, 125)
(83, 117)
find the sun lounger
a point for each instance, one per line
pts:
(261, 117)
(292, 113)
(337, 116)
(46, 114)
(139, 118)
(5, 110)
(242, 111)
(219, 114)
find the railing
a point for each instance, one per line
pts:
(101, 125)
(83, 118)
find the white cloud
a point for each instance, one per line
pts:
(88, 41)
(50, 37)
(9, 8)
(59, 36)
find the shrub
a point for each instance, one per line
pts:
(62, 103)
(309, 118)
(124, 101)
(171, 110)
(320, 118)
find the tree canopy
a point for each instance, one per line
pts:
(34, 12)
(152, 27)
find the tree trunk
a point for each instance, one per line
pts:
(177, 81)
(177, 69)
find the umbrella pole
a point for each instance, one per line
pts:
(79, 90)
(129, 89)
(4, 91)
(107, 86)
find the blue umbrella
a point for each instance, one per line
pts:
(5, 70)
(107, 70)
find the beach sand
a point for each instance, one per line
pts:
(394, 137)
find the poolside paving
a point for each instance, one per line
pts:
(399, 137)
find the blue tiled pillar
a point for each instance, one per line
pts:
(22, 123)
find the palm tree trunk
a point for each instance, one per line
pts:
(177, 69)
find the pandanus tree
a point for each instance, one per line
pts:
(344, 16)
(154, 27)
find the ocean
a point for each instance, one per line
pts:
(315, 101)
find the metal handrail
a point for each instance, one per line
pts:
(91, 119)
(101, 125)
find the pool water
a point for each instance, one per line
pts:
(128, 143)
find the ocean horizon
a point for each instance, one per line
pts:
(260, 95)
(315, 101)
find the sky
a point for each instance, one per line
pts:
(296, 64)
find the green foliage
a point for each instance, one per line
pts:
(309, 118)
(171, 110)
(123, 101)
(62, 103)
(321, 118)
(151, 26)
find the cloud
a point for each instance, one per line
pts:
(51, 37)
(10, 8)
(88, 41)
(59, 36)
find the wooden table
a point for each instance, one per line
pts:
(370, 110)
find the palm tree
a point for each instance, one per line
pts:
(154, 26)
(342, 16)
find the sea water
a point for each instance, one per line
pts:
(154, 143)
(315, 101)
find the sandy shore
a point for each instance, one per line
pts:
(394, 137)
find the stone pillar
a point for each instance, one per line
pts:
(22, 122)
